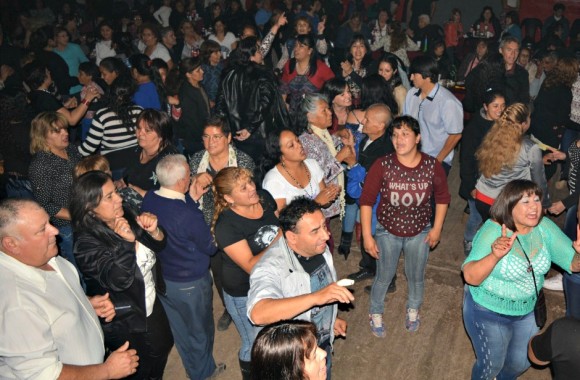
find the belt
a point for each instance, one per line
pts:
(484, 198)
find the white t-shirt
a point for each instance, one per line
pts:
(226, 44)
(280, 188)
(145, 262)
(159, 52)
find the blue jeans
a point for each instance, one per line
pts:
(572, 292)
(18, 188)
(65, 243)
(188, 306)
(473, 222)
(500, 341)
(238, 311)
(416, 254)
(570, 222)
(349, 219)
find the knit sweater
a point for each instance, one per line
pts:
(509, 288)
(189, 241)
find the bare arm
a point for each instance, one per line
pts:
(121, 363)
(63, 214)
(450, 144)
(475, 272)
(241, 254)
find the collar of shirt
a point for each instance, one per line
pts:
(170, 194)
(431, 95)
(34, 275)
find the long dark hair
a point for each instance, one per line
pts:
(120, 100)
(144, 66)
(333, 87)
(271, 156)
(393, 61)
(87, 192)
(115, 65)
(307, 40)
(375, 89)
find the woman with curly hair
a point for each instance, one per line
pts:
(244, 226)
(507, 154)
(396, 42)
(553, 104)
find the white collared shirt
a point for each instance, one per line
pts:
(47, 321)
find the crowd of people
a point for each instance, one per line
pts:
(154, 149)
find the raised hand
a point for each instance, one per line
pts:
(333, 293)
(123, 229)
(503, 244)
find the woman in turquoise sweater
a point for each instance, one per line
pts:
(498, 308)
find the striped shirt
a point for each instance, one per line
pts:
(109, 134)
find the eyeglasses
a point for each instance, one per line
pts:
(212, 137)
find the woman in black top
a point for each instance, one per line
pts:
(51, 173)
(154, 139)
(244, 225)
(194, 105)
(473, 134)
(42, 99)
(116, 253)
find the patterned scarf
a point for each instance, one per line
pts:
(204, 165)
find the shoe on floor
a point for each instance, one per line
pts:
(224, 321)
(219, 369)
(554, 283)
(392, 288)
(412, 321)
(377, 326)
(362, 274)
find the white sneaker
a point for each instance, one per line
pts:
(554, 283)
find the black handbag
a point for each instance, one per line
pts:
(540, 309)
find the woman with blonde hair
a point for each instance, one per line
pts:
(244, 226)
(507, 154)
(51, 173)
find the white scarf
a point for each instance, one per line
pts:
(204, 165)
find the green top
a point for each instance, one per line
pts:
(509, 288)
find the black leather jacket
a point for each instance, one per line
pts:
(114, 269)
(248, 97)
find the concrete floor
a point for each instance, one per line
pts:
(440, 349)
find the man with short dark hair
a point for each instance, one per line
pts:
(49, 328)
(438, 111)
(296, 277)
(185, 264)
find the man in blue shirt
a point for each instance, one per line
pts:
(185, 263)
(438, 111)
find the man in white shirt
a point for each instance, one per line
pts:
(49, 328)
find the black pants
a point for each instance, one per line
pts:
(153, 346)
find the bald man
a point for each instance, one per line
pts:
(49, 328)
(376, 143)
